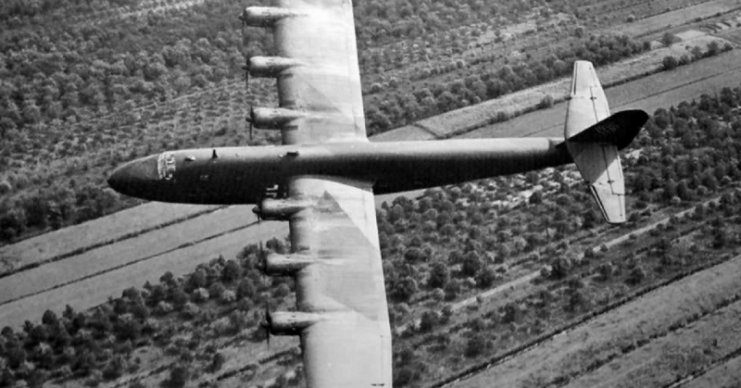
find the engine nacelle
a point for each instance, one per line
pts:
(271, 67)
(265, 16)
(290, 323)
(287, 265)
(273, 118)
(279, 209)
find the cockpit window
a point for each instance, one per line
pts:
(166, 165)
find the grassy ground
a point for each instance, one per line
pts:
(92, 233)
(89, 292)
(663, 360)
(676, 17)
(601, 338)
(469, 118)
(123, 253)
(650, 93)
(724, 375)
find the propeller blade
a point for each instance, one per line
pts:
(246, 69)
(268, 323)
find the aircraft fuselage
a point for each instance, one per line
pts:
(241, 175)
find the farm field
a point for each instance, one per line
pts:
(123, 253)
(124, 264)
(114, 227)
(604, 337)
(469, 118)
(676, 17)
(721, 376)
(538, 122)
(89, 292)
(706, 341)
(650, 93)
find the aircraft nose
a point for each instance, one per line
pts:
(135, 178)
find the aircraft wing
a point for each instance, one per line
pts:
(327, 85)
(349, 344)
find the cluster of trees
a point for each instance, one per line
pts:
(696, 141)
(53, 207)
(696, 149)
(383, 22)
(713, 48)
(61, 70)
(453, 240)
(99, 343)
(482, 83)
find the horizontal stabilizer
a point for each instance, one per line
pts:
(619, 129)
(593, 139)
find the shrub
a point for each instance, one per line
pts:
(179, 375)
(216, 290)
(163, 308)
(199, 295)
(229, 296)
(669, 63)
(636, 276)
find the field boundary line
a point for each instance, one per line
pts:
(704, 370)
(125, 237)
(111, 269)
(679, 325)
(535, 342)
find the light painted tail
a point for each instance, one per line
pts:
(593, 139)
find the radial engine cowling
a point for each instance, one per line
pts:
(279, 209)
(265, 16)
(271, 67)
(273, 118)
(287, 265)
(290, 323)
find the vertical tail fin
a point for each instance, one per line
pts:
(593, 139)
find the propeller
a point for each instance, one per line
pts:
(267, 323)
(246, 69)
(251, 120)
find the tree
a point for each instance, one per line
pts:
(405, 289)
(476, 345)
(439, 275)
(536, 197)
(636, 275)
(428, 321)
(197, 280)
(471, 264)
(669, 63)
(50, 318)
(179, 376)
(246, 289)
(114, 369)
(217, 361)
(231, 272)
(560, 267)
(512, 312)
(667, 39)
(414, 255)
(486, 277)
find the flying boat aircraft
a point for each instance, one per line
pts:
(323, 177)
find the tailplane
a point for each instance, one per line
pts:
(593, 138)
